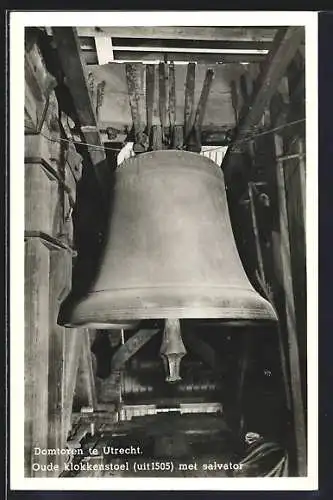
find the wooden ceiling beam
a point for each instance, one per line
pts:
(198, 57)
(220, 33)
(73, 66)
(185, 44)
(284, 49)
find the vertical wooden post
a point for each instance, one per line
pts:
(37, 265)
(296, 391)
(150, 93)
(73, 348)
(302, 176)
(60, 274)
(189, 99)
(270, 297)
(256, 233)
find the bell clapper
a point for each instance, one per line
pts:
(172, 350)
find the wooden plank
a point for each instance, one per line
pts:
(73, 340)
(219, 33)
(198, 57)
(189, 99)
(294, 360)
(162, 86)
(302, 175)
(234, 99)
(188, 44)
(193, 138)
(261, 276)
(284, 48)
(172, 99)
(36, 353)
(132, 85)
(157, 142)
(201, 108)
(131, 346)
(150, 94)
(60, 283)
(73, 66)
(244, 363)
(87, 366)
(178, 137)
(135, 84)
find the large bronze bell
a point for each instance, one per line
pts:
(170, 250)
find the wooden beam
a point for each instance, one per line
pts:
(73, 346)
(72, 62)
(284, 48)
(201, 108)
(193, 138)
(172, 100)
(73, 66)
(135, 85)
(302, 175)
(156, 140)
(163, 85)
(198, 57)
(60, 283)
(294, 360)
(131, 346)
(36, 352)
(184, 32)
(150, 93)
(178, 137)
(189, 98)
(170, 43)
(88, 369)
